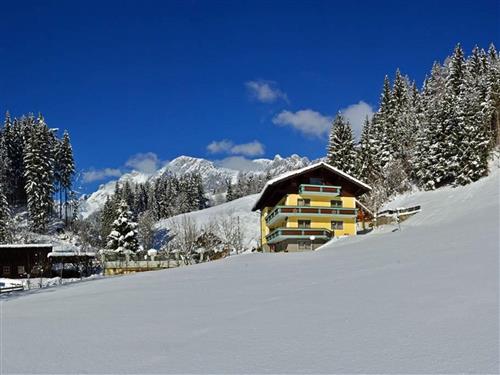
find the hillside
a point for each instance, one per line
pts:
(214, 175)
(421, 300)
(239, 208)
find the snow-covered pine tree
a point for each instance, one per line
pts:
(452, 131)
(4, 206)
(123, 236)
(492, 63)
(141, 198)
(200, 201)
(14, 136)
(367, 167)
(456, 70)
(381, 127)
(108, 216)
(4, 215)
(340, 152)
(229, 191)
(474, 115)
(428, 160)
(38, 165)
(127, 194)
(64, 169)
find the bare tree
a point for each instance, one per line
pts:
(230, 232)
(185, 232)
(208, 242)
(146, 229)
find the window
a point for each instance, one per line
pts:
(304, 245)
(20, 270)
(6, 270)
(316, 181)
(336, 203)
(303, 202)
(304, 223)
(337, 225)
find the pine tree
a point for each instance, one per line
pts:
(456, 71)
(4, 215)
(123, 235)
(38, 162)
(367, 167)
(473, 138)
(492, 67)
(4, 207)
(64, 169)
(108, 216)
(229, 193)
(14, 136)
(340, 152)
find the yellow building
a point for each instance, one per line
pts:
(303, 209)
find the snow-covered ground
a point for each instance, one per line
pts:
(35, 283)
(421, 300)
(239, 209)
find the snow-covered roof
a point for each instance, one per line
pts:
(69, 254)
(25, 245)
(297, 172)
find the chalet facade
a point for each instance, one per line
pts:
(303, 209)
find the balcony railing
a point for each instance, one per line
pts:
(306, 189)
(284, 211)
(280, 234)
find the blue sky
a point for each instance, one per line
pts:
(140, 82)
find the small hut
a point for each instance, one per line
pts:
(23, 260)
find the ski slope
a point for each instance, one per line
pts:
(420, 300)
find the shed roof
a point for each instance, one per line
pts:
(25, 245)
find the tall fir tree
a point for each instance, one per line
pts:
(4, 206)
(64, 170)
(4, 215)
(38, 161)
(367, 168)
(340, 152)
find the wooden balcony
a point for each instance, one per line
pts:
(280, 234)
(306, 189)
(281, 212)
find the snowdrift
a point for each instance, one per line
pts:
(420, 300)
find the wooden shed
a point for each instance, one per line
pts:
(21, 260)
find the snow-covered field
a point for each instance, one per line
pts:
(421, 300)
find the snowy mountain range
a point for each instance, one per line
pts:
(214, 174)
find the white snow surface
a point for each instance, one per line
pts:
(421, 300)
(239, 208)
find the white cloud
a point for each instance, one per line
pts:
(146, 163)
(253, 148)
(100, 174)
(356, 114)
(306, 121)
(226, 146)
(217, 147)
(239, 163)
(313, 123)
(265, 91)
